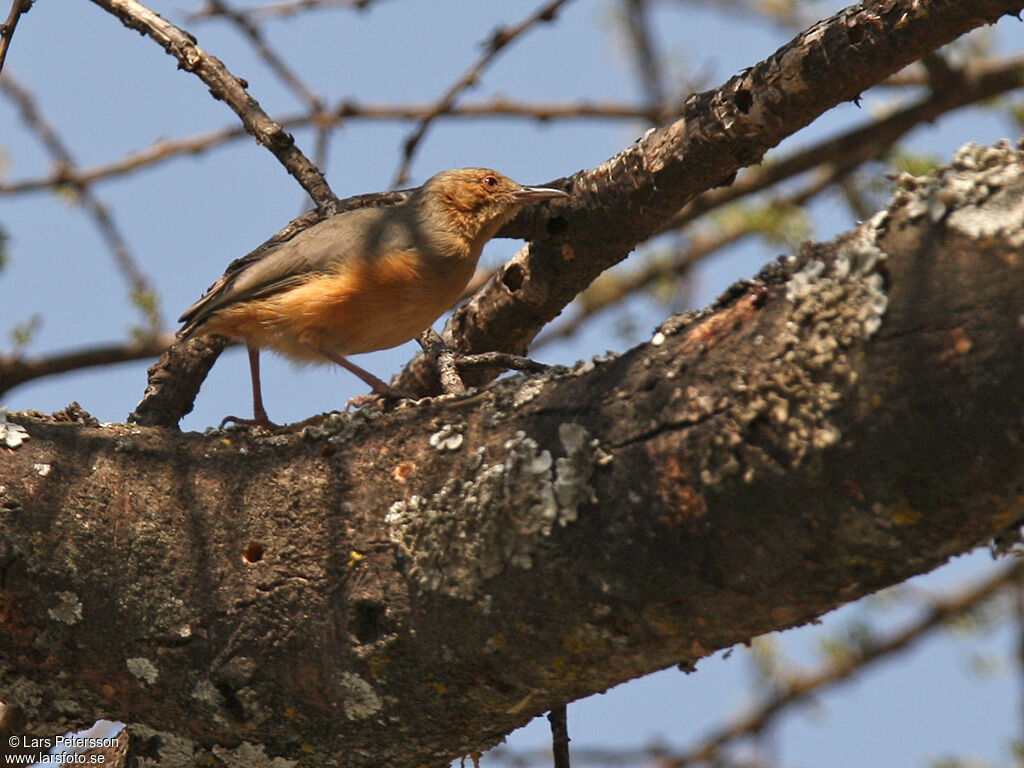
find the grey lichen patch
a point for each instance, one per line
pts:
(448, 438)
(247, 755)
(164, 749)
(68, 609)
(144, 669)
(527, 392)
(572, 472)
(836, 303)
(12, 435)
(206, 692)
(27, 694)
(471, 530)
(361, 700)
(982, 192)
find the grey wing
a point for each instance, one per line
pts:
(314, 251)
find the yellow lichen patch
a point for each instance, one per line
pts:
(377, 665)
(496, 642)
(585, 640)
(658, 617)
(903, 514)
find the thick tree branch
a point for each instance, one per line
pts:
(447, 570)
(629, 197)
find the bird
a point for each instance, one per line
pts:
(361, 280)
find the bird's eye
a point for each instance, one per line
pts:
(490, 181)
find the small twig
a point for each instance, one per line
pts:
(800, 688)
(276, 64)
(289, 8)
(500, 360)
(448, 362)
(647, 60)
(119, 248)
(498, 41)
(18, 9)
(164, 149)
(15, 371)
(444, 359)
(559, 736)
(864, 143)
(285, 74)
(229, 89)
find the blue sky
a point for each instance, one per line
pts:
(108, 91)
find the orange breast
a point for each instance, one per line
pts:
(361, 308)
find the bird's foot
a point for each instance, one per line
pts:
(381, 392)
(254, 422)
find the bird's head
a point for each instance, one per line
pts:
(477, 201)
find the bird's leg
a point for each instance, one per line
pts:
(259, 413)
(443, 358)
(380, 388)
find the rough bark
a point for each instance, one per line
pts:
(401, 588)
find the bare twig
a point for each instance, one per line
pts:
(498, 41)
(277, 65)
(559, 736)
(15, 371)
(864, 143)
(648, 63)
(18, 8)
(228, 88)
(287, 8)
(164, 150)
(451, 382)
(980, 80)
(801, 687)
(141, 291)
(285, 74)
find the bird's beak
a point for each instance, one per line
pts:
(534, 194)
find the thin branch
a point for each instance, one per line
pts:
(15, 371)
(142, 292)
(276, 64)
(498, 107)
(800, 688)
(498, 41)
(559, 736)
(980, 80)
(228, 88)
(648, 63)
(18, 9)
(864, 143)
(628, 198)
(285, 74)
(288, 8)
